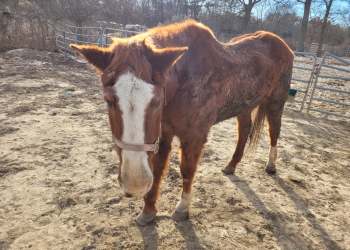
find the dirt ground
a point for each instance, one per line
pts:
(58, 187)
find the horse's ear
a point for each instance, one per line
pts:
(162, 59)
(97, 56)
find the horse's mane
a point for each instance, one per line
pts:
(179, 27)
(181, 32)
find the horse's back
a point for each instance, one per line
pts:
(277, 48)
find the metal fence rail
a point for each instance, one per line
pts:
(100, 36)
(331, 87)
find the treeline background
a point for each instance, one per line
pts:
(33, 23)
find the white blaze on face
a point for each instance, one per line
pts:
(134, 96)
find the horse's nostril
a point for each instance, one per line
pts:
(128, 195)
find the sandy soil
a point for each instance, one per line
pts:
(58, 187)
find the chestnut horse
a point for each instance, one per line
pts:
(179, 80)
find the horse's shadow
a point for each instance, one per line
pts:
(149, 236)
(285, 236)
(189, 234)
(287, 239)
(302, 206)
(186, 229)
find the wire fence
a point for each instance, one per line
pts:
(303, 75)
(322, 85)
(330, 94)
(318, 84)
(100, 36)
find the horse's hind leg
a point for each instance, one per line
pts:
(274, 110)
(244, 129)
(274, 118)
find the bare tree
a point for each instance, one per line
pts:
(328, 5)
(195, 8)
(248, 6)
(33, 23)
(304, 24)
(76, 11)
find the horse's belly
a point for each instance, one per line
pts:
(235, 106)
(230, 110)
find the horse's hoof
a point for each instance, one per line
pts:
(270, 169)
(145, 218)
(180, 216)
(228, 170)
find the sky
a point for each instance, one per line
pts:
(317, 9)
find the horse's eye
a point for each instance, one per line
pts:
(109, 104)
(155, 102)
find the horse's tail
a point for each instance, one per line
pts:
(258, 125)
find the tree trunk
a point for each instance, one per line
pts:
(161, 8)
(246, 18)
(304, 23)
(323, 27)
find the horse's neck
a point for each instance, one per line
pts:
(172, 84)
(184, 38)
(177, 41)
(190, 38)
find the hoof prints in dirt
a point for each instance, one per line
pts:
(9, 167)
(4, 245)
(20, 110)
(7, 170)
(66, 202)
(7, 130)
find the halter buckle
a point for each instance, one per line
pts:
(138, 147)
(156, 145)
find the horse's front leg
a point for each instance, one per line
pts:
(191, 152)
(159, 164)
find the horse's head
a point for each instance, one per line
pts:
(132, 75)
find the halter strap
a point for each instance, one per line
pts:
(141, 147)
(138, 147)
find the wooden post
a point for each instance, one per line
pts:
(65, 45)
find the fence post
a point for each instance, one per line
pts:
(100, 36)
(65, 44)
(318, 69)
(311, 78)
(103, 38)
